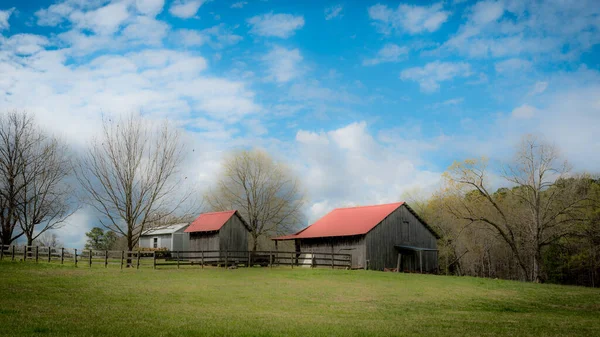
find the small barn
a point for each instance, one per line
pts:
(378, 237)
(224, 231)
(171, 237)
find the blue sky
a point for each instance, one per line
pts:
(366, 100)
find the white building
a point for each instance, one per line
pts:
(170, 237)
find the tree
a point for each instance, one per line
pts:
(131, 175)
(34, 168)
(263, 190)
(98, 239)
(48, 240)
(528, 217)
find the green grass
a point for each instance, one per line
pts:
(54, 300)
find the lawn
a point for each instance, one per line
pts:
(53, 300)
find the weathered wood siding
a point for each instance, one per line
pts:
(233, 236)
(204, 241)
(354, 245)
(147, 241)
(380, 242)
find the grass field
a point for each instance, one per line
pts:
(54, 300)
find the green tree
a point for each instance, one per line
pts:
(98, 239)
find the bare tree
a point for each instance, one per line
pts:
(48, 240)
(131, 175)
(264, 191)
(33, 168)
(528, 217)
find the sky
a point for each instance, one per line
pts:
(366, 100)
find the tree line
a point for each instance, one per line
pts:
(132, 176)
(531, 219)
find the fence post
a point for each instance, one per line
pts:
(249, 259)
(49, 254)
(62, 255)
(270, 259)
(122, 258)
(177, 259)
(154, 260)
(91, 252)
(75, 257)
(202, 258)
(13, 252)
(226, 258)
(24, 252)
(105, 258)
(2, 252)
(37, 253)
(292, 260)
(138, 259)
(312, 260)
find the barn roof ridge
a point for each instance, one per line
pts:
(335, 229)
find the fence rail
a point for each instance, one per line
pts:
(160, 258)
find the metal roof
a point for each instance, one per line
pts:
(208, 222)
(351, 221)
(346, 222)
(165, 229)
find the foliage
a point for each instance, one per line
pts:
(98, 239)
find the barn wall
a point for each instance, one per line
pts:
(204, 241)
(164, 241)
(354, 245)
(380, 242)
(233, 236)
(181, 241)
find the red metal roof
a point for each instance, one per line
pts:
(345, 222)
(208, 222)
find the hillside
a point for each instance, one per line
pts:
(52, 300)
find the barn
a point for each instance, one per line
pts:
(224, 231)
(378, 237)
(171, 237)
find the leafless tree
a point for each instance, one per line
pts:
(131, 175)
(33, 167)
(48, 240)
(264, 191)
(531, 215)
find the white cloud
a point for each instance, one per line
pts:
(150, 7)
(24, 44)
(185, 9)
(4, 16)
(217, 37)
(486, 11)
(524, 112)
(512, 65)
(432, 73)
(277, 25)
(333, 12)
(409, 18)
(372, 172)
(240, 4)
(283, 65)
(104, 20)
(548, 29)
(389, 53)
(538, 88)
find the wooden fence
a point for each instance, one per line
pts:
(154, 259)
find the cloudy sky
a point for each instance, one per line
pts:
(365, 99)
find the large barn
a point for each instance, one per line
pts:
(224, 231)
(377, 237)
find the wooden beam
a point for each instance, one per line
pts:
(399, 263)
(421, 261)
